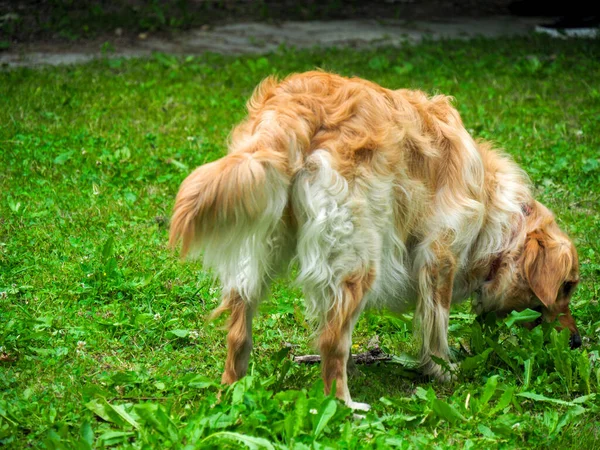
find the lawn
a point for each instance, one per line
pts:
(103, 334)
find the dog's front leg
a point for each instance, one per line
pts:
(433, 309)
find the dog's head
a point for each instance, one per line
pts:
(544, 274)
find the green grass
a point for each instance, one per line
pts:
(102, 330)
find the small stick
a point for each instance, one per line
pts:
(371, 356)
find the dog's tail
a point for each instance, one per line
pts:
(232, 209)
(237, 192)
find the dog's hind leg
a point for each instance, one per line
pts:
(335, 339)
(335, 252)
(436, 278)
(242, 293)
(239, 336)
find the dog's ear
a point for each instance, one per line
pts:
(545, 266)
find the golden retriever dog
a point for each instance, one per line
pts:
(382, 199)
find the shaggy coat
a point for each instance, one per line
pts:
(382, 199)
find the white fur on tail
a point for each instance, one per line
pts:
(230, 210)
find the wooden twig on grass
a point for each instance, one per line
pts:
(371, 356)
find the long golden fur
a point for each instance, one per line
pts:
(382, 199)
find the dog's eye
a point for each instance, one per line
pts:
(567, 287)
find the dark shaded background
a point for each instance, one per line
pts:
(72, 20)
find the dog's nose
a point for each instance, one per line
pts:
(575, 341)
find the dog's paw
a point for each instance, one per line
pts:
(441, 374)
(444, 377)
(356, 406)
